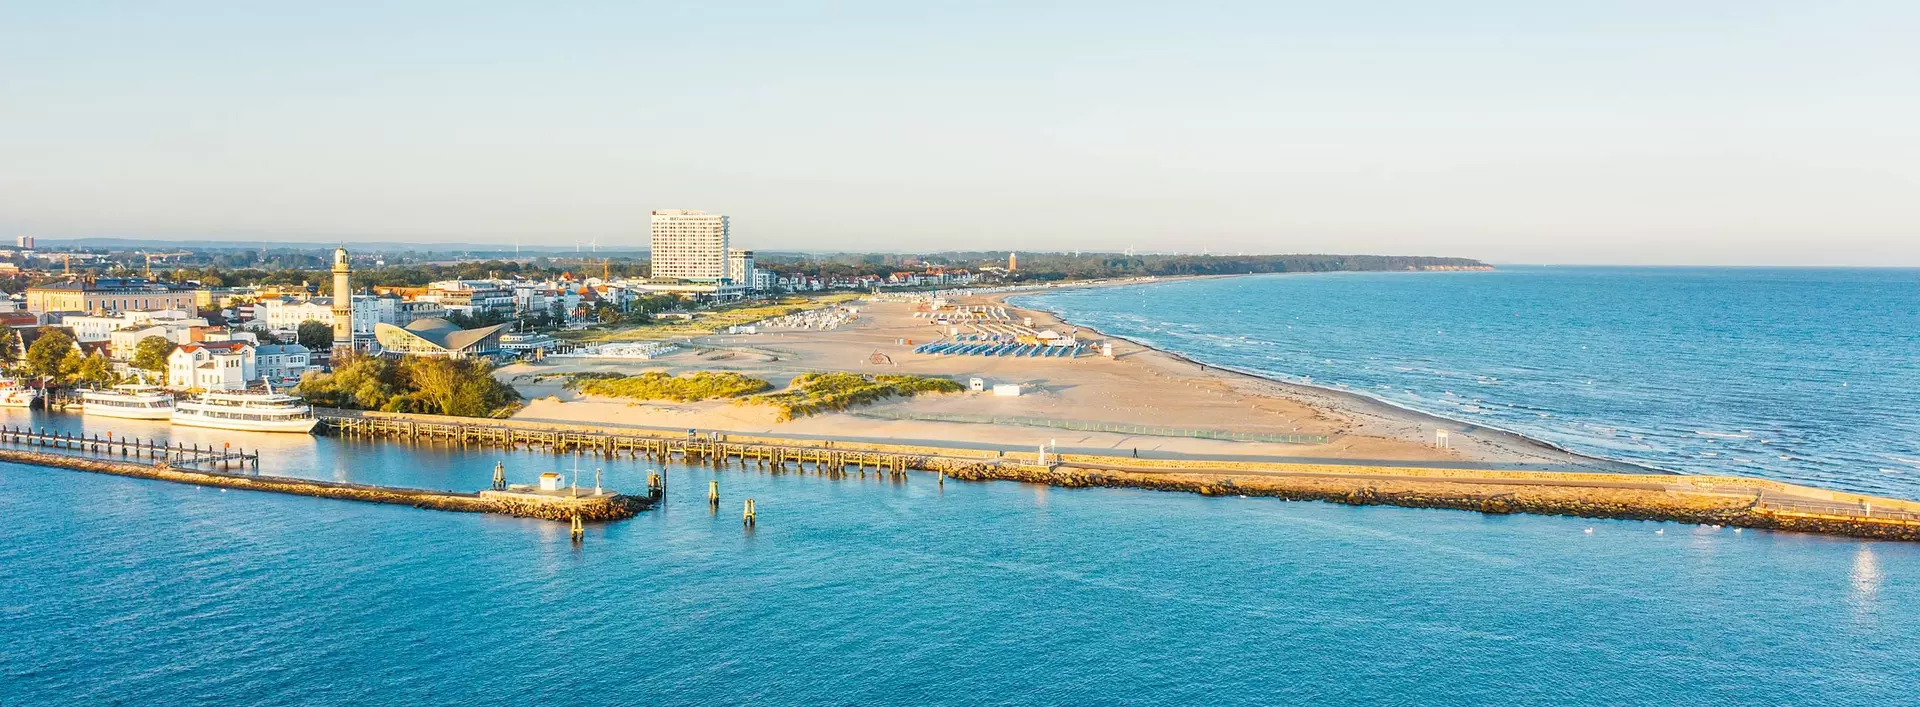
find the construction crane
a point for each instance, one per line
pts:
(151, 256)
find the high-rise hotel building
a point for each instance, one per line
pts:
(689, 245)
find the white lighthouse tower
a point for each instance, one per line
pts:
(342, 303)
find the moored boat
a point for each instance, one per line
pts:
(15, 393)
(247, 411)
(137, 402)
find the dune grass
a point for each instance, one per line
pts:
(815, 393)
(654, 385)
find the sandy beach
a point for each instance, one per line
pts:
(1137, 386)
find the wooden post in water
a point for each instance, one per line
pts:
(713, 494)
(747, 516)
(500, 476)
(579, 529)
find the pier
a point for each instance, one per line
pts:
(175, 454)
(124, 456)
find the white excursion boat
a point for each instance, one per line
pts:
(248, 411)
(138, 402)
(15, 394)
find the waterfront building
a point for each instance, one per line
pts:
(689, 245)
(342, 314)
(740, 267)
(282, 362)
(716, 291)
(212, 365)
(439, 337)
(369, 310)
(525, 343)
(107, 296)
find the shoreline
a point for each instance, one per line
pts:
(1302, 390)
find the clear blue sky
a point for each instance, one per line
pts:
(1618, 132)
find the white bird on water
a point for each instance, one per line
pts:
(1589, 531)
(1662, 531)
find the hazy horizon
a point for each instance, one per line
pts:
(1720, 133)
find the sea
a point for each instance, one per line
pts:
(1806, 375)
(878, 591)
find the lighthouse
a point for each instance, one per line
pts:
(342, 303)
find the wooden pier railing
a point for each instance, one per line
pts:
(111, 446)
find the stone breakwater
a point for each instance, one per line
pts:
(602, 508)
(1648, 504)
(1707, 500)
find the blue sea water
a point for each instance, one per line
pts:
(869, 591)
(1799, 374)
(864, 591)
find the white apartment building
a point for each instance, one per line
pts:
(209, 365)
(283, 315)
(740, 267)
(689, 245)
(100, 327)
(368, 309)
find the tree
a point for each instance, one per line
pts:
(315, 335)
(435, 386)
(151, 353)
(94, 369)
(46, 353)
(10, 350)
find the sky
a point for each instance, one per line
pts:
(1624, 132)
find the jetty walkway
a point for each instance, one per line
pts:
(147, 459)
(1707, 500)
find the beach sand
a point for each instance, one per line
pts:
(1139, 386)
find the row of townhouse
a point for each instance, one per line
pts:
(236, 364)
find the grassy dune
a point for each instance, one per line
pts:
(654, 385)
(824, 392)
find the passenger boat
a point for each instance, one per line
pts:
(247, 411)
(16, 394)
(138, 402)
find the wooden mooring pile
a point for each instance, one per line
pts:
(175, 454)
(690, 450)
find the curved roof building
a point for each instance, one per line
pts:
(439, 337)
